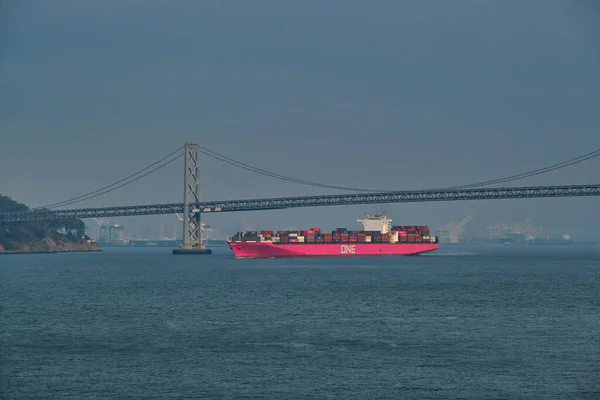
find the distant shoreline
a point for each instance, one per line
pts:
(13, 252)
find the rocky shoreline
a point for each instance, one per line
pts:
(49, 246)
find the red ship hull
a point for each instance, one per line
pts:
(299, 250)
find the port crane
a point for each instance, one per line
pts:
(452, 233)
(109, 232)
(505, 230)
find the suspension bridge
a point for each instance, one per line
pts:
(192, 207)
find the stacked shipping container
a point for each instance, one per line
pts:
(398, 234)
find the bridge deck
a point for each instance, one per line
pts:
(410, 196)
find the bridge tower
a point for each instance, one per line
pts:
(193, 240)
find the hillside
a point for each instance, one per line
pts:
(41, 236)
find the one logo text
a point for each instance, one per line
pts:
(348, 249)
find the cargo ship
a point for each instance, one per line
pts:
(377, 239)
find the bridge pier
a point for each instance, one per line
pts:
(193, 240)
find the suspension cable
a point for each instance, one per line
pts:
(539, 171)
(104, 190)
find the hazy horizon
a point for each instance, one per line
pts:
(383, 95)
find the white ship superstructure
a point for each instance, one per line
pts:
(377, 222)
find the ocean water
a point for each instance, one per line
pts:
(465, 322)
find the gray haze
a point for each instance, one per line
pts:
(376, 94)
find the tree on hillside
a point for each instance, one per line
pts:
(11, 234)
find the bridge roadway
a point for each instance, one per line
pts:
(408, 196)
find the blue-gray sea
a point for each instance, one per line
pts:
(468, 322)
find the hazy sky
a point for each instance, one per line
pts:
(378, 94)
